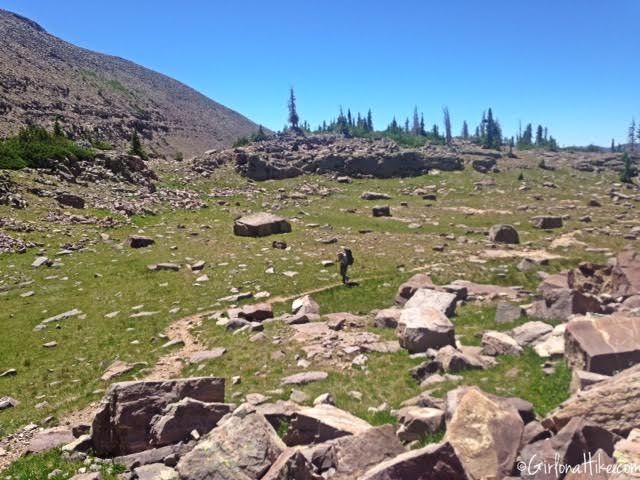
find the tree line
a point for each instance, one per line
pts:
(414, 132)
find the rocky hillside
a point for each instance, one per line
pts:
(43, 78)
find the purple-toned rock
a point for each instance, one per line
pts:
(321, 423)
(242, 447)
(408, 288)
(433, 462)
(181, 418)
(49, 439)
(139, 241)
(260, 225)
(603, 345)
(504, 234)
(122, 423)
(444, 302)
(421, 328)
(478, 416)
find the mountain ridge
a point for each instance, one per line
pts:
(104, 97)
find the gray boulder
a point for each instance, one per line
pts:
(260, 225)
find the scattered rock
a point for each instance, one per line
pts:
(504, 234)
(260, 225)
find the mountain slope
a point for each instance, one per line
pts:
(103, 97)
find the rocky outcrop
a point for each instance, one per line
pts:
(286, 156)
(122, 424)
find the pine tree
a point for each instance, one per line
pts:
(627, 172)
(632, 135)
(349, 118)
(447, 125)
(465, 130)
(539, 136)
(416, 122)
(369, 121)
(422, 130)
(613, 145)
(57, 130)
(136, 146)
(406, 125)
(293, 113)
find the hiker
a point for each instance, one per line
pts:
(345, 260)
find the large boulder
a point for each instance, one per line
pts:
(70, 200)
(292, 465)
(321, 423)
(416, 422)
(260, 225)
(625, 274)
(613, 404)
(350, 456)
(485, 435)
(181, 418)
(547, 223)
(421, 328)
(49, 439)
(408, 288)
(498, 343)
(242, 447)
(444, 302)
(603, 344)
(122, 423)
(139, 241)
(570, 447)
(504, 234)
(433, 462)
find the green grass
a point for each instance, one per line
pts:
(38, 467)
(520, 377)
(67, 377)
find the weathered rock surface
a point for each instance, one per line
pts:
(350, 456)
(241, 448)
(421, 328)
(416, 422)
(50, 439)
(504, 234)
(139, 241)
(613, 404)
(433, 462)
(122, 422)
(547, 223)
(179, 419)
(408, 288)
(603, 344)
(288, 156)
(321, 423)
(499, 343)
(260, 225)
(428, 298)
(485, 435)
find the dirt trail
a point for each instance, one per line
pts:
(167, 366)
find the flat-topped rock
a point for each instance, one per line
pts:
(321, 423)
(260, 225)
(304, 378)
(444, 302)
(603, 344)
(504, 234)
(422, 328)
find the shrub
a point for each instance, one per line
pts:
(136, 146)
(37, 148)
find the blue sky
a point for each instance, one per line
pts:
(572, 65)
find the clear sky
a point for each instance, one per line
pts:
(573, 65)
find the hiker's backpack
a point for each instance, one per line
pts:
(347, 252)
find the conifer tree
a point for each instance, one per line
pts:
(632, 135)
(136, 146)
(539, 136)
(57, 130)
(447, 125)
(465, 130)
(293, 113)
(369, 121)
(613, 145)
(627, 172)
(416, 122)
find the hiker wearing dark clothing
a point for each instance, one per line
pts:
(345, 260)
